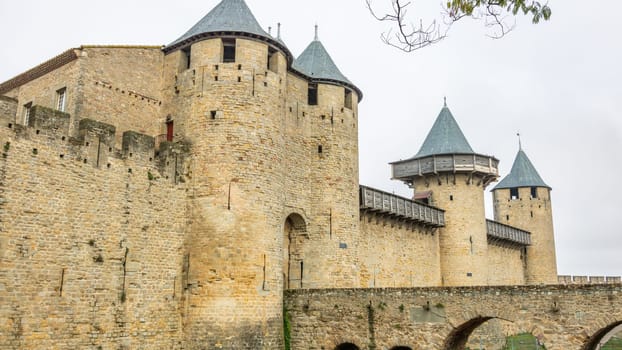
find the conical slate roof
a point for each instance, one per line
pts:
(315, 62)
(445, 137)
(523, 174)
(227, 16)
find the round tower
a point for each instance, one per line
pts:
(522, 199)
(225, 82)
(450, 175)
(330, 110)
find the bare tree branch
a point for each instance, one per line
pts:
(498, 15)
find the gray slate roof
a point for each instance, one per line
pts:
(445, 137)
(523, 174)
(316, 63)
(227, 16)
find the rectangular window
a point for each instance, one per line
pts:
(169, 130)
(534, 192)
(272, 60)
(228, 50)
(312, 94)
(513, 193)
(186, 54)
(348, 99)
(61, 96)
(27, 108)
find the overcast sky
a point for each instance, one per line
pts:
(558, 83)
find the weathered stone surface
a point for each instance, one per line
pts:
(562, 317)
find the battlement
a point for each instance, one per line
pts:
(568, 279)
(95, 143)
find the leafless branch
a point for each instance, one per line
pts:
(498, 15)
(408, 37)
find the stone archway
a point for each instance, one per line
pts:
(347, 346)
(602, 336)
(457, 339)
(294, 235)
(401, 348)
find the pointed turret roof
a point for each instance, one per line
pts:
(445, 137)
(229, 16)
(316, 63)
(523, 174)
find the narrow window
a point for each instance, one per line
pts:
(534, 192)
(348, 99)
(186, 57)
(514, 193)
(61, 96)
(169, 130)
(312, 95)
(451, 197)
(319, 149)
(212, 114)
(272, 60)
(228, 52)
(507, 217)
(27, 108)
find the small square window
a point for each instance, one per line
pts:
(534, 192)
(514, 193)
(61, 97)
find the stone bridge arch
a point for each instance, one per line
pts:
(602, 336)
(347, 346)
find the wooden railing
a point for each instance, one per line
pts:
(499, 231)
(383, 202)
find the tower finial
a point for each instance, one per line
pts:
(316, 36)
(445, 101)
(270, 31)
(278, 31)
(520, 145)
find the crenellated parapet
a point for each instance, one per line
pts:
(95, 143)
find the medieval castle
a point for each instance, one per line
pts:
(165, 197)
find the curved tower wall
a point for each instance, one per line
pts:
(334, 189)
(231, 116)
(463, 240)
(534, 215)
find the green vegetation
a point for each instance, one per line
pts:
(287, 330)
(614, 343)
(523, 341)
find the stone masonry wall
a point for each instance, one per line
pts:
(463, 240)
(397, 254)
(91, 257)
(562, 317)
(121, 86)
(8, 107)
(534, 215)
(506, 265)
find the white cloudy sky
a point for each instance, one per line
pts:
(558, 83)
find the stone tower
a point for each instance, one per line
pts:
(331, 104)
(447, 173)
(272, 173)
(522, 199)
(224, 83)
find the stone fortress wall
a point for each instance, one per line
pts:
(173, 196)
(91, 255)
